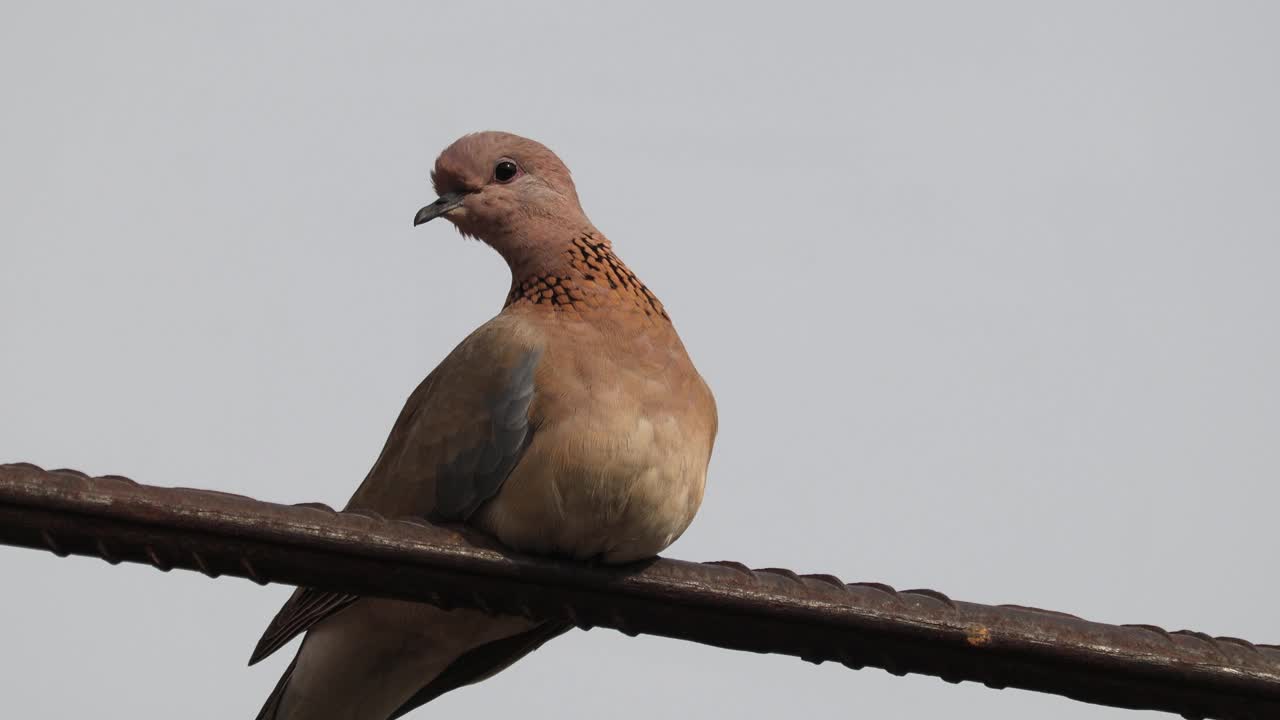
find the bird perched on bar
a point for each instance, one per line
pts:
(571, 424)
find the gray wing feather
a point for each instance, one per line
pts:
(476, 474)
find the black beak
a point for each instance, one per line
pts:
(442, 205)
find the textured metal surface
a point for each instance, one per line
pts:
(815, 617)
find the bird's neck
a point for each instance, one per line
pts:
(584, 276)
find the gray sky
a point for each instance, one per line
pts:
(986, 292)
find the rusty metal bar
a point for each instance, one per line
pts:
(814, 617)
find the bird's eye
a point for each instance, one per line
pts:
(505, 171)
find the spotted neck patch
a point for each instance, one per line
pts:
(592, 277)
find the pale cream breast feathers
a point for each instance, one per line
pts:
(623, 431)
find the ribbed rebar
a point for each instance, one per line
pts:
(814, 617)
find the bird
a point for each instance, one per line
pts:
(572, 424)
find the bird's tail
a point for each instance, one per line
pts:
(271, 708)
(482, 663)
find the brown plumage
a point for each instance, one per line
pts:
(573, 424)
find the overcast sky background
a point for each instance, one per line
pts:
(987, 293)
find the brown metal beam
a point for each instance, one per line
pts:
(815, 617)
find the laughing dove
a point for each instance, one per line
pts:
(572, 424)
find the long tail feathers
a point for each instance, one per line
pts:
(271, 708)
(483, 662)
(473, 666)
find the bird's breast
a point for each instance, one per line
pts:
(616, 467)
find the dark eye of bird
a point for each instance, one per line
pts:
(505, 170)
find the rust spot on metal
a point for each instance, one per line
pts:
(978, 636)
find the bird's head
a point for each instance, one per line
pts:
(510, 192)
